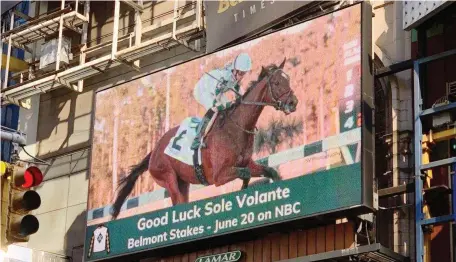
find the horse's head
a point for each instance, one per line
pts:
(279, 92)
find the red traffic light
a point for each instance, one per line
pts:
(32, 177)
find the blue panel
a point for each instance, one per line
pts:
(10, 113)
(10, 119)
(97, 213)
(132, 203)
(438, 220)
(453, 187)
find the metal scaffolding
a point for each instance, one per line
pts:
(182, 28)
(423, 166)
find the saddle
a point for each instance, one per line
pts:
(179, 147)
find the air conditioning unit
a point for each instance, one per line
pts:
(445, 118)
(49, 54)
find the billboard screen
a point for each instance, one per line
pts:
(288, 136)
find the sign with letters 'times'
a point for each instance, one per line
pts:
(265, 132)
(228, 20)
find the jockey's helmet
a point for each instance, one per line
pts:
(242, 62)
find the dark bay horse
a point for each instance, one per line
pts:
(229, 150)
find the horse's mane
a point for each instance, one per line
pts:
(262, 75)
(264, 72)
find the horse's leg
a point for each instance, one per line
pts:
(172, 184)
(228, 174)
(168, 180)
(253, 169)
(260, 170)
(184, 188)
(257, 170)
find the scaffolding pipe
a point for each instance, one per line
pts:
(115, 32)
(175, 16)
(14, 94)
(199, 22)
(14, 137)
(8, 55)
(47, 23)
(417, 151)
(59, 43)
(20, 91)
(83, 49)
(138, 29)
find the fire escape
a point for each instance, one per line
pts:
(57, 66)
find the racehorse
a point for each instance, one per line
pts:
(229, 150)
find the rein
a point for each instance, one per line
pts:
(243, 129)
(277, 104)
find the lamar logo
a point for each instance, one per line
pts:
(224, 257)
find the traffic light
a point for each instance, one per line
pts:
(453, 147)
(20, 201)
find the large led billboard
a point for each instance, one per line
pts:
(288, 136)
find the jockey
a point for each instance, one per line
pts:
(210, 89)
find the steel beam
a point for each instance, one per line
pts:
(443, 135)
(137, 7)
(21, 15)
(408, 64)
(417, 102)
(127, 63)
(439, 220)
(439, 109)
(453, 188)
(138, 29)
(8, 54)
(46, 18)
(83, 49)
(21, 46)
(436, 57)
(394, 68)
(398, 190)
(59, 42)
(115, 30)
(438, 163)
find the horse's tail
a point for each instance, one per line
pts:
(126, 184)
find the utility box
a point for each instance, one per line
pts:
(442, 119)
(49, 54)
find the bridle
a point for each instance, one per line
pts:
(277, 103)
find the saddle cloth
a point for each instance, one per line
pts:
(179, 145)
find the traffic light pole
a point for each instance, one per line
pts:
(14, 136)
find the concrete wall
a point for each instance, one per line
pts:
(392, 44)
(63, 139)
(58, 129)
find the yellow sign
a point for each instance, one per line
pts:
(225, 4)
(15, 64)
(3, 167)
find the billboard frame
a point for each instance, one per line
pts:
(369, 197)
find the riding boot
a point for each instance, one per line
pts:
(199, 133)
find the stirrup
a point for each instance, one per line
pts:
(195, 146)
